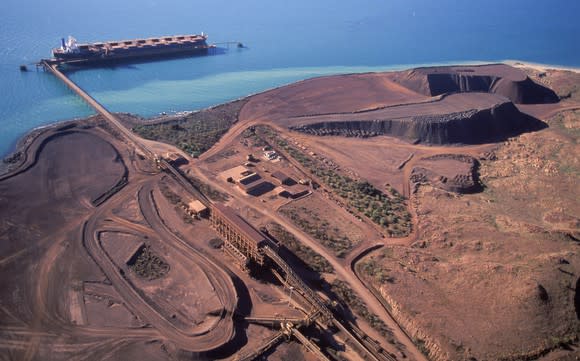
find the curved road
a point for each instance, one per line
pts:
(341, 270)
(196, 341)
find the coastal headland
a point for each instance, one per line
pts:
(434, 211)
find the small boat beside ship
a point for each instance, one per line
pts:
(167, 46)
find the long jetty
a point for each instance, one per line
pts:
(53, 68)
(162, 163)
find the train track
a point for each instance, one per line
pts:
(198, 341)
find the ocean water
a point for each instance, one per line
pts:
(286, 41)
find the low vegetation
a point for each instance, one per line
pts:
(196, 132)
(346, 295)
(13, 158)
(420, 343)
(388, 211)
(171, 196)
(311, 223)
(148, 265)
(375, 270)
(250, 134)
(216, 243)
(313, 260)
(206, 189)
(567, 121)
(176, 200)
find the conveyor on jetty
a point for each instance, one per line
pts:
(52, 67)
(132, 138)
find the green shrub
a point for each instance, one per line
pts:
(194, 133)
(310, 223)
(346, 295)
(387, 210)
(312, 259)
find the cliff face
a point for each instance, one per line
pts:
(499, 79)
(520, 92)
(443, 83)
(525, 92)
(467, 127)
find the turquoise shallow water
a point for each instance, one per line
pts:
(286, 42)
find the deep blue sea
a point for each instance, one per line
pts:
(286, 41)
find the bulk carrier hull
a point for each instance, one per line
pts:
(126, 50)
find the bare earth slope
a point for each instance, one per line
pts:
(333, 94)
(457, 118)
(497, 272)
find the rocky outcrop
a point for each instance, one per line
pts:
(466, 127)
(463, 180)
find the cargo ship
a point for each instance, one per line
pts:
(167, 46)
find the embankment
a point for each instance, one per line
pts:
(466, 127)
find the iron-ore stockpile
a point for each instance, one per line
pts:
(499, 79)
(465, 105)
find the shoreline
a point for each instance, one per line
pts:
(28, 137)
(540, 66)
(22, 145)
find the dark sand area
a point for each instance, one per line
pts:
(60, 185)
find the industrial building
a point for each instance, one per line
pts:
(291, 193)
(235, 173)
(197, 209)
(247, 181)
(175, 159)
(241, 240)
(282, 179)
